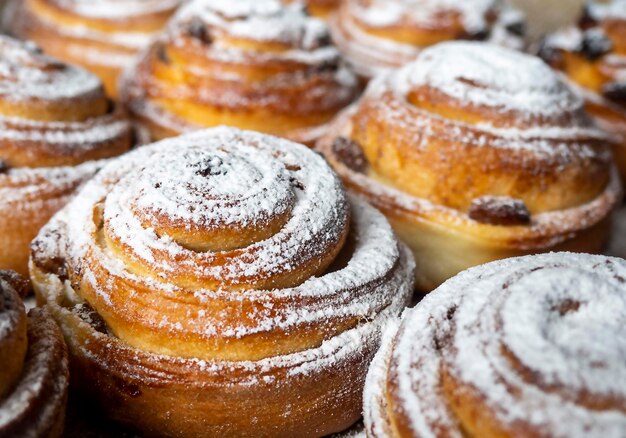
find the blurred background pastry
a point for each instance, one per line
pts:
(592, 54)
(103, 36)
(221, 284)
(377, 35)
(55, 124)
(251, 64)
(529, 346)
(476, 152)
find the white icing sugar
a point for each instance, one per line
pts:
(123, 36)
(25, 73)
(117, 9)
(378, 269)
(371, 54)
(265, 20)
(314, 209)
(607, 9)
(490, 76)
(560, 315)
(382, 13)
(81, 135)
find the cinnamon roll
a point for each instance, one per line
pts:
(378, 35)
(55, 125)
(33, 366)
(592, 54)
(531, 346)
(251, 64)
(475, 153)
(103, 36)
(221, 284)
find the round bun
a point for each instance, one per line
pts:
(476, 152)
(217, 270)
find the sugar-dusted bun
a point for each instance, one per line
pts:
(377, 35)
(100, 35)
(33, 366)
(221, 284)
(531, 346)
(56, 123)
(475, 153)
(252, 64)
(592, 54)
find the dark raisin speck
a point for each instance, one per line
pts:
(615, 91)
(586, 20)
(350, 153)
(499, 210)
(161, 53)
(517, 28)
(594, 45)
(198, 30)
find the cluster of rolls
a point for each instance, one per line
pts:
(317, 167)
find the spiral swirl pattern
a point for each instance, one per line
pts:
(240, 253)
(378, 35)
(55, 126)
(34, 368)
(254, 65)
(103, 36)
(481, 141)
(531, 346)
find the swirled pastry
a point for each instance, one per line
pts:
(251, 64)
(33, 366)
(592, 54)
(476, 152)
(221, 284)
(531, 346)
(55, 123)
(103, 36)
(377, 35)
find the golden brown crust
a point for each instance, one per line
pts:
(264, 336)
(506, 349)
(482, 174)
(34, 368)
(103, 37)
(272, 70)
(377, 35)
(56, 125)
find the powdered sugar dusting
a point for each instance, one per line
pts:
(607, 9)
(561, 318)
(377, 273)
(490, 76)
(265, 20)
(382, 13)
(363, 30)
(116, 9)
(25, 73)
